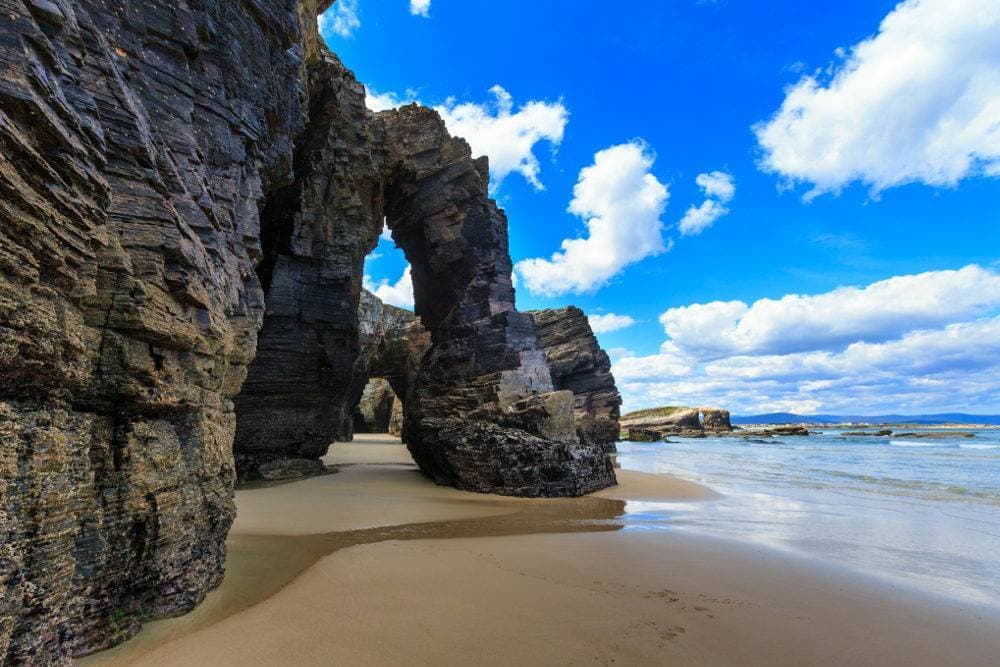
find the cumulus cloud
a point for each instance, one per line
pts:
(719, 190)
(420, 8)
(622, 203)
(377, 101)
(608, 322)
(917, 102)
(341, 19)
(877, 312)
(507, 136)
(923, 342)
(399, 293)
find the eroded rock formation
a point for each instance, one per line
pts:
(677, 421)
(577, 363)
(175, 178)
(482, 413)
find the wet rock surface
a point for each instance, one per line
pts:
(578, 364)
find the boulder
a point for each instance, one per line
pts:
(642, 435)
(715, 420)
(578, 364)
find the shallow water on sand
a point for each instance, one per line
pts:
(921, 513)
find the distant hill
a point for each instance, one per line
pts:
(792, 418)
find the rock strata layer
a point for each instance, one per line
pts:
(136, 142)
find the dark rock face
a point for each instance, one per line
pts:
(133, 157)
(642, 435)
(577, 363)
(493, 458)
(318, 230)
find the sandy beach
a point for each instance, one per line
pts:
(374, 564)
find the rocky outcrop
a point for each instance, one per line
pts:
(578, 364)
(665, 421)
(136, 142)
(374, 410)
(715, 420)
(679, 421)
(176, 177)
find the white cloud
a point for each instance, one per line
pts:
(719, 190)
(918, 102)
(399, 293)
(717, 184)
(341, 19)
(622, 203)
(917, 343)
(506, 136)
(877, 312)
(699, 218)
(376, 101)
(607, 322)
(420, 8)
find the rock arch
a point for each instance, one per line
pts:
(482, 395)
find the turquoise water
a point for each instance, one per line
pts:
(922, 513)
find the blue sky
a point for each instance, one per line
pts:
(850, 152)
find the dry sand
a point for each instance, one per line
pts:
(376, 565)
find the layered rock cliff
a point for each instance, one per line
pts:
(136, 142)
(176, 178)
(317, 231)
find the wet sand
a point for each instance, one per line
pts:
(377, 565)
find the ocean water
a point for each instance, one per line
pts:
(923, 514)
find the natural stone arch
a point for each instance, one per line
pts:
(482, 413)
(392, 346)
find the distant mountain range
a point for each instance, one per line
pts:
(792, 418)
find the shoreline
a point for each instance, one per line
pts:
(377, 564)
